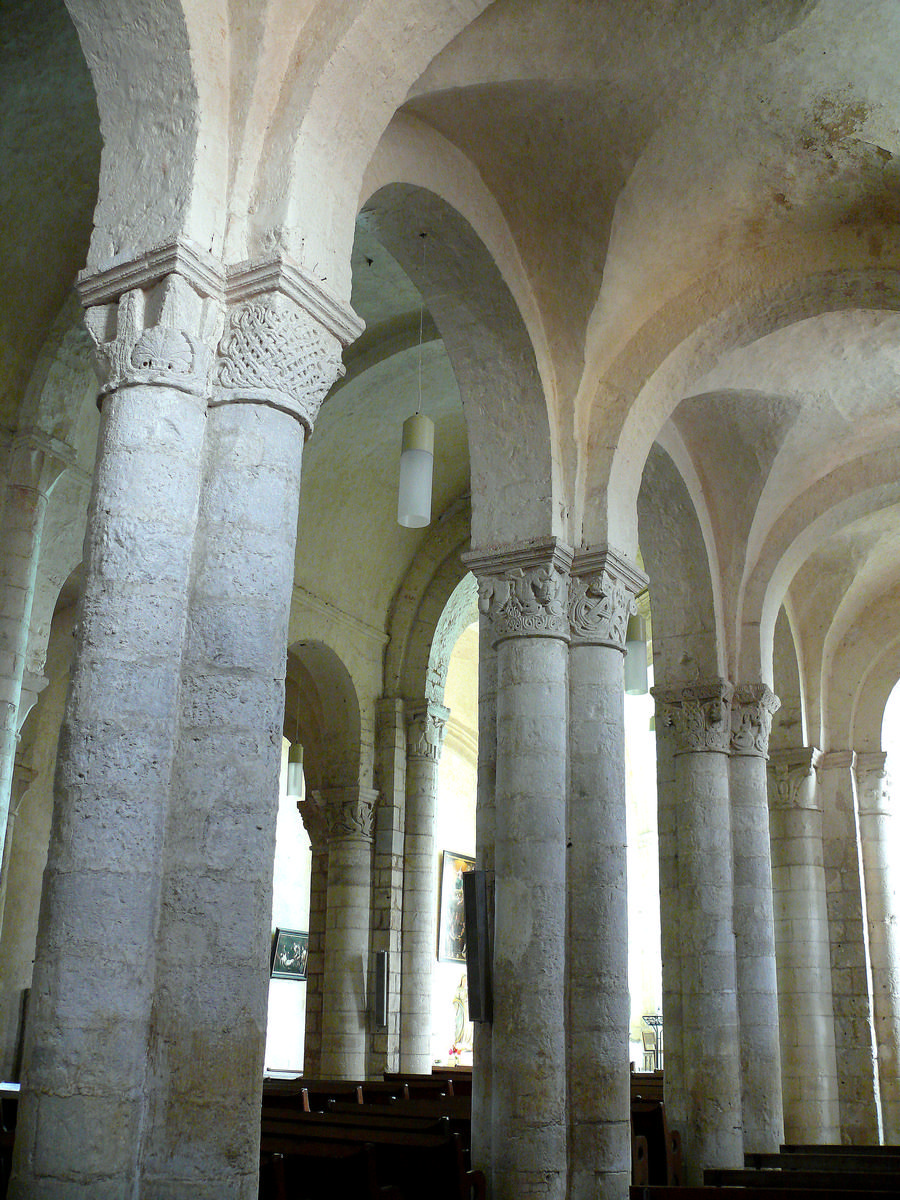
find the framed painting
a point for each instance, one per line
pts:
(452, 909)
(290, 951)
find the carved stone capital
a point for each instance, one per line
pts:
(752, 707)
(36, 460)
(872, 783)
(789, 771)
(426, 725)
(273, 352)
(698, 715)
(159, 335)
(602, 590)
(349, 812)
(315, 820)
(523, 590)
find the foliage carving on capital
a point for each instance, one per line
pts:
(699, 716)
(752, 707)
(425, 731)
(789, 771)
(353, 818)
(161, 336)
(599, 608)
(314, 814)
(278, 356)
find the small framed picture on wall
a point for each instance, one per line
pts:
(452, 909)
(290, 951)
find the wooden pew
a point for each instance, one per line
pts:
(664, 1164)
(650, 1192)
(454, 1110)
(828, 1158)
(859, 1181)
(296, 1170)
(423, 1166)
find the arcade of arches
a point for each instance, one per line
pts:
(655, 317)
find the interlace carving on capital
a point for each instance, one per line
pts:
(700, 718)
(425, 733)
(268, 353)
(752, 708)
(525, 601)
(599, 608)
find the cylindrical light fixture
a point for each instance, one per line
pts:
(636, 657)
(295, 771)
(416, 470)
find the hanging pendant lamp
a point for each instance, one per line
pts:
(416, 472)
(416, 454)
(295, 771)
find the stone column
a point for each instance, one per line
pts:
(752, 707)
(524, 592)
(425, 735)
(851, 981)
(275, 363)
(316, 825)
(601, 597)
(669, 804)
(345, 1001)
(485, 832)
(700, 719)
(879, 838)
(387, 873)
(11, 997)
(34, 463)
(83, 1103)
(805, 1013)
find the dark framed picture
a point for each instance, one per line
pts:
(452, 909)
(290, 951)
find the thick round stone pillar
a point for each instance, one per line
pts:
(524, 592)
(879, 837)
(601, 597)
(851, 981)
(805, 1012)
(83, 1103)
(34, 463)
(700, 718)
(485, 832)
(275, 363)
(312, 810)
(350, 813)
(425, 734)
(752, 707)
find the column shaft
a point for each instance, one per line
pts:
(344, 1001)
(754, 925)
(848, 937)
(425, 733)
(94, 972)
(599, 1085)
(805, 1013)
(524, 592)
(485, 833)
(33, 469)
(209, 1015)
(710, 1032)
(879, 836)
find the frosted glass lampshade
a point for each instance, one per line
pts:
(416, 469)
(636, 657)
(295, 771)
